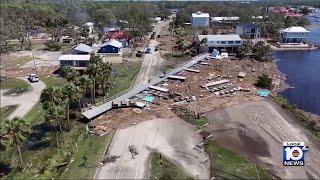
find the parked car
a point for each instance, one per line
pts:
(139, 54)
(33, 78)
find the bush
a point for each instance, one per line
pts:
(264, 81)
(262, 51)
(53, 45)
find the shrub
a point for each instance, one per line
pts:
(264, 81)
(53, 45)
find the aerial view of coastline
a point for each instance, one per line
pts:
(220, 89)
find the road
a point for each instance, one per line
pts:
(257, 130)
(25, 101)
(158, 135)
(151, 62)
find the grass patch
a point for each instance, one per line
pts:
(305, 120)
(85, 160)
(6, 111)
(122, 78)
(15, 86)
(51, 80)
(10, 62)
(228, 165)
(161, 168)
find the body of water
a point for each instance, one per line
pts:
(302, 69)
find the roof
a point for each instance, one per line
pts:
(248, 25)
(70, 57)
(295, 29)
(225, 18)
(200, 14)
(89, 24)
(222, 37)
(112, 42)
(83, 48)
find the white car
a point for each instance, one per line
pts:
(33, 78)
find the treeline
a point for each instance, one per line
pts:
(20, 18)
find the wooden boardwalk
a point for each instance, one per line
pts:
(107, 105)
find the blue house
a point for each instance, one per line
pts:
(111, 47)
(248, 30)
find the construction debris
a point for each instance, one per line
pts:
(159, 88)
(192, 70)
(214, 83)
(181, 78)
(109, 159)
(133, 150)
(242, 74)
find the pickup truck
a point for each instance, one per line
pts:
(33, 78)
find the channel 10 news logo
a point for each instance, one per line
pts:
(293, 153)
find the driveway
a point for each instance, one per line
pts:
(151, 62)
(25, 101)
(173, 138)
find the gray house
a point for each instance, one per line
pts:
(79, 62)
(248, 30)
(81, 49)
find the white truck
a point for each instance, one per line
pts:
(33, 78)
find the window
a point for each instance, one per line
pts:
(218, 42)
(238, 42)
(230, 42)
(223, 42)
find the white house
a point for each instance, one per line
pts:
(229, 42)
(79, 62)
(200, 19)
(294, 34)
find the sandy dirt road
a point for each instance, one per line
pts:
(167, 136)
(257, 130)
(151, 62)
(25, 101)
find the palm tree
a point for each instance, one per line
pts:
(73, 93)
(85, 84)
(15, 133)
(54, 116)
(104, 76)
(93, 71)
(51, 95)
(70, 74)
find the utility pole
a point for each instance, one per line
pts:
(34, 63)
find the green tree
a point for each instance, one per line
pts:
(94, 69)
(55, 116)
(85, 84)
(51, 96)
(73, 93)
(16, 132)
(262, 51)
(264, 81)
(70, 74)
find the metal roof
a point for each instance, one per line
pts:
(295, 29)
(225, 18)
(83, 48)
(72, 57)
(112, 42)
(200, 14)
(221, 37)
(248, 25)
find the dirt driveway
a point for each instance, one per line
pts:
(170, 137)
(25, 101)
(257, 129)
